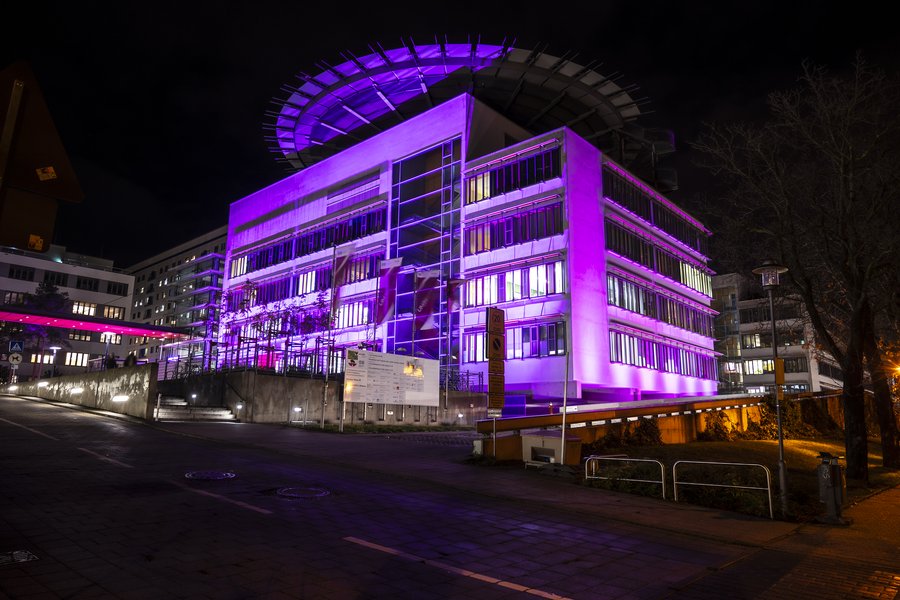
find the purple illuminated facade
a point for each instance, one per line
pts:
(589, 264)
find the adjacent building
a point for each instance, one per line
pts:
(181, 288)
(744, 341)
(604, 282)
(99, 296)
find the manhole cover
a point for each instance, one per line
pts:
(301, 492)
(209, 475)
(16, 556)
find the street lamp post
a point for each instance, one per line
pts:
(55, 349)
(769, 273)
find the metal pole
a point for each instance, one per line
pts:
(328, 339)
(782, 475)
(495, 438)
(565, 404)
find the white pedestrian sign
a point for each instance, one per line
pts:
(16, 346)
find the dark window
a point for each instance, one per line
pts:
(57, 279)
(87, 283)
(116, 289)
(21, 273)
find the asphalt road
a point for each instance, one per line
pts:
(105, 509)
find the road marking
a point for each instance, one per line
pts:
(223, 498)
(106, 458)
(31, 430)
(464, 572)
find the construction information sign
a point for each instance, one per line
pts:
(380, 378)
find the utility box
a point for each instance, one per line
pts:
(546, 448)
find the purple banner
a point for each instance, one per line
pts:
(427, 295)
(342, 258)
(454, 289)
(386, 298)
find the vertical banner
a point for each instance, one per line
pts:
(386, 299)
(454, 292)
(342, 258)
(427, 290)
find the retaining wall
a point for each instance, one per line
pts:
(99, 387)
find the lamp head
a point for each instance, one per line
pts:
(769, 272)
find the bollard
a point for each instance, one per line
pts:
(832, 489)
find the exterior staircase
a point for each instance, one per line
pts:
(172, 408)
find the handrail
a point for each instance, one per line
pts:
(768, 473)
(590, 465)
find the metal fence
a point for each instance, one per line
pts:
(768, 487)
(593, 464)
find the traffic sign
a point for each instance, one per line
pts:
(495, 350)
(16, 346)
(495, 320)
(15, 358)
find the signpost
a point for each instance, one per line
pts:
(496, 353)
(16, 346)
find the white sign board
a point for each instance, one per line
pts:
(379, 378)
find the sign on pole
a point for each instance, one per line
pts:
(15, 359)
(496, 353)
(16, 346)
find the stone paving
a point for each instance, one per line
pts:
(104, 506)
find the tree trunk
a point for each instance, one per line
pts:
(884, 406)
(853, 399)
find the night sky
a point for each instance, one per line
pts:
(160, 105)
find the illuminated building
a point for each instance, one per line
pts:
(486, 164)
(744, 341)
(93, 324)
(181, 288)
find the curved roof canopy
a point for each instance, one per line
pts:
(344, 104)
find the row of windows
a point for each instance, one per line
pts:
(642, 251)
(14, 298)
(760, 314)
(90, 284)
(797, 364)
(832, 371)
(89, 309)
(629, 195)
(514, 229)
(631, 349)
(349, 314)
(514, 175)
(764, 340)
(359, 268)
(643, 300)
(309, 242)
(528, 282)
(527, 341)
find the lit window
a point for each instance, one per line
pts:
(113, 312)
(76, 359)
(84, 308)
(110, 338)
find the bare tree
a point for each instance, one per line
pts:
(815, 186)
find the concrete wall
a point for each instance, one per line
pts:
(267, 398)
(99, 387)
